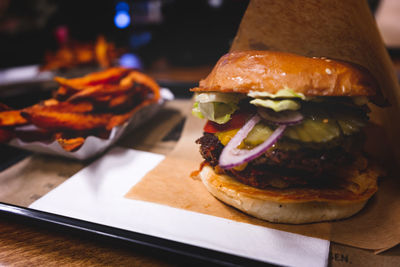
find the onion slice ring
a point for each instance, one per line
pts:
(287, 117)
(231, 156)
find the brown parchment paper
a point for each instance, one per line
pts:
(337, 29)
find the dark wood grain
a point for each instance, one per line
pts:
(23, 243)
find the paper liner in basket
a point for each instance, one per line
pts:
(94, 145)
(335, 29)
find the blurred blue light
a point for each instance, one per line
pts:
(122, 19)
(122, 6)
(130, 61)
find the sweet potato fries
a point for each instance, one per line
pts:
(75, 54)
(90, 105)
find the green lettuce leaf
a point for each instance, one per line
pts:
(227, 98)
(276, 105)
(214, 111)
(217, 107)
(284, 93)
(196, 111)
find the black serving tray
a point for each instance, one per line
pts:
(185, 252)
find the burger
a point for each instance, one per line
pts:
(284, 137)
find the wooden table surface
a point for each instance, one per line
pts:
(25, 244)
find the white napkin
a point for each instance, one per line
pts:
(96, 194)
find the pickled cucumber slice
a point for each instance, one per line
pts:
(314, 129)
(258, 135)
(350, 126)
(350, 123)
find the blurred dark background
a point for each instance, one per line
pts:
(180, 32)
(169, 39)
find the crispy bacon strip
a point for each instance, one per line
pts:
(111, 75)
(11, 118)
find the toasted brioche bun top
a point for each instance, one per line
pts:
(267, 71)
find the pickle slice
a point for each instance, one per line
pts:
(350, 126)
(350, 123)
(258, 135)
(314, 129)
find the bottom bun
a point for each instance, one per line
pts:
(294, 206)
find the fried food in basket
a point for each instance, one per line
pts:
(135, 77)
(69, 143)
(75, 54)
(120, 101)
(121, 118)
(60, 120)
(11, 118)
(97, 92)
(109, 76)
(92, 106)
(55, 105)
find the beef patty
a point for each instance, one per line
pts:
(280, 168)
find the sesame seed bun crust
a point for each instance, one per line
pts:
(267, 71)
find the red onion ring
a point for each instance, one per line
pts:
(231, 156)
(287, 117)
